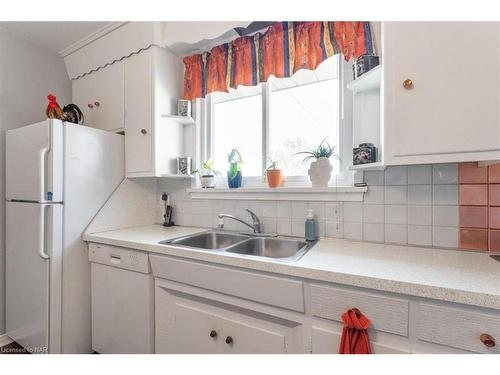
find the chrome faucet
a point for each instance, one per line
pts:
(256, 226)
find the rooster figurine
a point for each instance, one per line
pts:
(53, 109)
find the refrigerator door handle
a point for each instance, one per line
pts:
(41, 234)
(43, 153)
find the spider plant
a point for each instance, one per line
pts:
(235, 160)
(207, 169)
(324, 150)
(271, 164)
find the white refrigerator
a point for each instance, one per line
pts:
(58, 176)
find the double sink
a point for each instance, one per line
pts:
(278, 248)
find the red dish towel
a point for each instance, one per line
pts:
(355, 338)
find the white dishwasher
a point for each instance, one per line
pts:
(122, 300)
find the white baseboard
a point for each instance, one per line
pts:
(5, 340)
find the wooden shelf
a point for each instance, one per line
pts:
(368, 81)
(184, 120)
(377, 166)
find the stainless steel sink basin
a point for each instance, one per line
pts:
(252, 245)
(208, 240)
(270, 248)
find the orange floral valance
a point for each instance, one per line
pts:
(283, 49)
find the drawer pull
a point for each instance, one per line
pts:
(408, 84)
(97, 104)
(144, 131)
(229, 340)
(487, 340)
(90, 106)
(213, 334)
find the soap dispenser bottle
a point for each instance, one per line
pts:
(310, 229)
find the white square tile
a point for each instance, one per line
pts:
(374, 195)
(373, 213)
(299, 210)
(419, 194)
(284, 226)
(445, 216)
(419, 175)
(420, 235)
(353, 212)
(269, 225)
(373, 178)
(420, 215)
(396, 175)
(395, 194)
(320, 228)
(396, 214)
(334, 229)
(298, 227)
(358, 177)
(334, 211)
(445, 237)
(396, 233)
(445, 195)
(353, 231)
(318, 209)
(445, 174)
(373, 232)
(284, 209)
(269, 209)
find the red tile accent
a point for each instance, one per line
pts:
(474, 239)
(473, 195)
(473, 217)
(495, 217)
(470, 173)
(494, 196)
(494, 240)
(494, 173)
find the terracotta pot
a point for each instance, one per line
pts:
(274, 178)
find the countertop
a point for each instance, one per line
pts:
(449, 275)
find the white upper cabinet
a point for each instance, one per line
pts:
(100, 96)
(449, 111)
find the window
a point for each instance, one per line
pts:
(276, 119)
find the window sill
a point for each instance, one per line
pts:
(340, 193)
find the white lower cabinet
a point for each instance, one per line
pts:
(326, 340)
(186, 324)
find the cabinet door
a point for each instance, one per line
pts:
(138, 115)
(187, 326)
(83, 97)
(451, 113)
(108, 98)
(327, 341)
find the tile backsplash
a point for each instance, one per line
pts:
(419, 205)
(415, 205)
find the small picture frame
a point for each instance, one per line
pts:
(184, 108)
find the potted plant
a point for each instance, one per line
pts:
(320, 170)
(207, 175)
(234, 174)
(273, 174)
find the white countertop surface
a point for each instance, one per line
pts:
(450, 275)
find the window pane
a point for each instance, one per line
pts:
(238, 124)
(300, 118)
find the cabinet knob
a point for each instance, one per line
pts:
(90, 105)
(487, 340)
(144, 131)
(97, 104)
(213, 334)
(229, 340)
(408, 84)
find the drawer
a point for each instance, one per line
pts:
(119, 257)
(271, 290)
(458, 328)
(387, 314)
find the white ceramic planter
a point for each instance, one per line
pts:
(207, 181)
(320, 172)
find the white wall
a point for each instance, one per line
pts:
(27, 74)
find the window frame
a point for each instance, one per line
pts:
(343, 178)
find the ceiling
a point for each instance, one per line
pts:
(55, 36)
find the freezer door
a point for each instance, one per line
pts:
(34, 162)
(33, 290)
